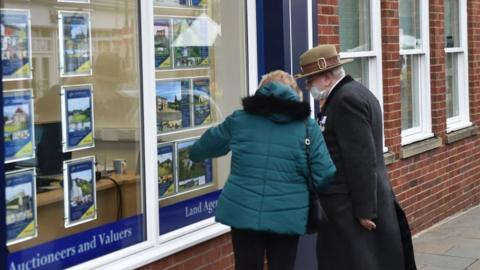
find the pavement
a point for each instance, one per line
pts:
(451, 245)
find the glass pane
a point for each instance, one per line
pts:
(354, 25)
(359, 70)
(409, 13)
(409, 91)
(200, 54)
(452, 85)
(452, 24)
(71, 76)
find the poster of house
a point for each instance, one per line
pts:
(163, 40)
(199, 3)
(166, 172)
(20, 203)
(16, 44)
(191, 174)
(190, 43)
(78, 117)
(18, 125)
(75, 44)
(173, 104)
(202, 111)
(170, 3)
(79, 191)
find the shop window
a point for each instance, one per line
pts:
(359, 20)
(200, 61)
(456, 65)
(357, 41)
(415, 71)
(71, 82)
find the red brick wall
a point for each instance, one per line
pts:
(328, 21)
(212, 255)
(474, 58)
(391, 74)
(442, 182)
(439, 183)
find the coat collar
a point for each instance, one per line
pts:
(276, 109)
(339, 85)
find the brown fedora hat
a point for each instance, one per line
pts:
(319, 59)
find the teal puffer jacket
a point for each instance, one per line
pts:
(266, 189)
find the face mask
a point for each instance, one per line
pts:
(317, 93)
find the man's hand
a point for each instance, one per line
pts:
(367, 224)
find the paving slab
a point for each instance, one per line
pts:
(452, 245)
(445, 261)
(475, 266)
(464, 252)
(437, 268)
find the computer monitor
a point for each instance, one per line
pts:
(49, 152)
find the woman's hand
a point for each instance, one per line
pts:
(367, 224)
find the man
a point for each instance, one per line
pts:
(367, 228)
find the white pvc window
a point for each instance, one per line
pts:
(456, 64)
(359, 22)
(415, 71)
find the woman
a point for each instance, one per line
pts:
(265, 199)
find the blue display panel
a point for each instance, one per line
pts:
(81, 247)
(188, 212)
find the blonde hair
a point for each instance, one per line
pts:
(281, 77)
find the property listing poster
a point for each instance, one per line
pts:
(173, 104)
(201, 101)
(18, 125)
(191, 174)
(170, 3)
(16, 44)
(166, 172)
(199, 3)
(163, 38)
(79, 191)
(190, 43)
(78, 124)
(20, 203)
(75, 44)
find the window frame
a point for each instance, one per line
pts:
(373, 56)
(422, 58)
(156, 246)
(461, 54)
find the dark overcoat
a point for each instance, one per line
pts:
(352, 123)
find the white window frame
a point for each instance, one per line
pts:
(374, 56)
(461, 53)
(157, 247)
(424, 130)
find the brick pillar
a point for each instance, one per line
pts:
(391, 74)
(437, 68)
(474, 59)
(328, 22)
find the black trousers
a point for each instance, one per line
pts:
(249, 248)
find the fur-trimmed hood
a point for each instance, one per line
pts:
(278, 102)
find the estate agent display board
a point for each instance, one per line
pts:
(74, 122)
(68, 66)
(198, 49)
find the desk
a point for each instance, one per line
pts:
(49, 197)
(50, 210)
